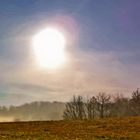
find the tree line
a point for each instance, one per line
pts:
(39, 110)
(101, 106)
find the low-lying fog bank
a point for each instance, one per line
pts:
(33, 111)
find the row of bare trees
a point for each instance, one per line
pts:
(101, 106)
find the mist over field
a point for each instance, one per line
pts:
(69, 69)
(51, 50)
(38, 111)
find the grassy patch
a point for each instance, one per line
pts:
(106, 129)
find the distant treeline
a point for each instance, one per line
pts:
(33, 111)
(101, 106)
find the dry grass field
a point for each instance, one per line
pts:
(106, 129)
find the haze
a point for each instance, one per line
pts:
(102, 49)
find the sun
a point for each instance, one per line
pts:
(49, 48)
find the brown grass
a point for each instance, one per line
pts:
(106, 129)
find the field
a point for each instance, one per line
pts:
(106, 129)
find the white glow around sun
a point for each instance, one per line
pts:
(49, 45)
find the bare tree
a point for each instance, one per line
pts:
(75, 109)
(103, 103)
(120, 106)
(91, 108)
(102, 106)
(135, 103)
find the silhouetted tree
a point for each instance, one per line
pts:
(135, 103)
(103, 104)
(120, 106)
(91, 107)
(75, 109)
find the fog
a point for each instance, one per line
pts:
(32, 112)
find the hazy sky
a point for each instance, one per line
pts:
(103, 47)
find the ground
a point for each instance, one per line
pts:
(106, 129)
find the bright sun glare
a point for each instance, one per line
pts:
(49, 45)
